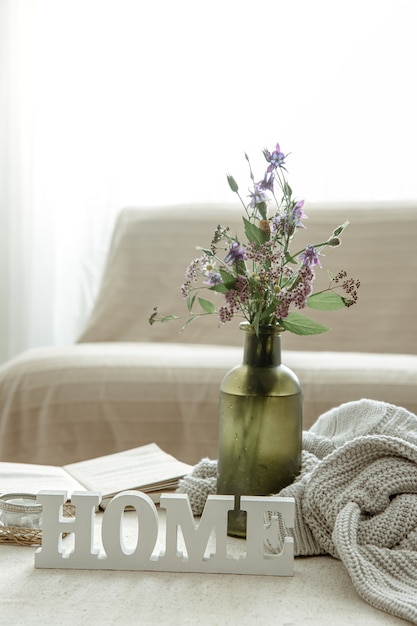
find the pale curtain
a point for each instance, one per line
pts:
(109, 103)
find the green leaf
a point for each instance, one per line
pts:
(205, 250)
(262, 209)
(206, 305)
(290, 259)
(254, 233)
(302, 325)
(190, 302)
(168, 318)
(325, 301)
(190, 319)
(229, 280)
(220, 288)
(264, 315)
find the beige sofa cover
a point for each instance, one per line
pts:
(125, 383)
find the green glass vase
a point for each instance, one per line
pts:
(260, 424)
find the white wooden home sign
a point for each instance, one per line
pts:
(116, 556)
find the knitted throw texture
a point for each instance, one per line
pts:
(356, 499)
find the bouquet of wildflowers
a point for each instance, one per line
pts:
(261, 279)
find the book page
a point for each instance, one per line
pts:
(147, 468)
(28, 478)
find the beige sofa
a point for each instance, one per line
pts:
(125, 383)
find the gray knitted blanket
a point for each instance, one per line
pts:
(356, 499)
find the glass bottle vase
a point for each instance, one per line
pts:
(260, 424)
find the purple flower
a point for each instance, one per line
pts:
(256, 197)
(267, 184)
(310, 256)
(280, 225)
(275, 158)
(213, 278)
(236, 253)
(298, 214)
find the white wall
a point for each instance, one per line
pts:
(108, 103)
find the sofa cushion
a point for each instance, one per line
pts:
(62, 405)
(152, 247)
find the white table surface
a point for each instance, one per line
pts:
(319, 593)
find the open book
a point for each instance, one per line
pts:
(147, 468)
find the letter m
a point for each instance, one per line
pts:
(196, 534)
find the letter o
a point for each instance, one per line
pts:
(111, 529)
